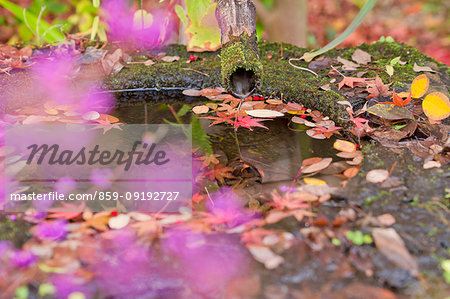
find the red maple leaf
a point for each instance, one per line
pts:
(220, 118)
(248, 122)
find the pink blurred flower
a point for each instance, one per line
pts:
(23, 258)
(148, 32)
(66, 284)
(208, 262)
(51, 230)
(226, 208)
(56, 80)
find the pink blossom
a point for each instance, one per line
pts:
(120, 18)
(56, 80)
(51, 230)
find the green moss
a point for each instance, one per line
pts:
(240, 53)
(279, 79)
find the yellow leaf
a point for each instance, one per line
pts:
(419, 86)
(436, 106)
(344, 146)
(313, 181)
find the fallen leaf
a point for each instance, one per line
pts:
(347, 65)
(262, 113)
(314, 181)
(191, 92)
(274, 102)
(386, 219)
(377, 176)
(390, 111)
(324, 163)
(311, 161)
(313, 134)
(170, 58)
(351, 82)
(436, 106)
(361, 56)
(349, 155)
(418, 68)
(91, 115)
(419, 86)
(351, 172)
(200, 109)
(390, 244)
(344, 146)
(265, 256)
(431, 164)
(120, 221)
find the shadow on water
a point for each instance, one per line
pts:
(274, 155)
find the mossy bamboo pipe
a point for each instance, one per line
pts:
(241, 67)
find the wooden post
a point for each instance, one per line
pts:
(241, 67)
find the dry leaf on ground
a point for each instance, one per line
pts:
(377, 176)
(391, 245)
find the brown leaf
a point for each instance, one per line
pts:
(191, 92)
(418, 68)
(390, 111)
(322, 164)
(311, 161)
(170, 58)
(347, 65)
(377, 176)
(351, 172)
(386, 219)
(391, 245)
(361, 56)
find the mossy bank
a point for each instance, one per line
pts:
(279, 78)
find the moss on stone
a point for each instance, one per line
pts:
(240, 53)
(279, 79)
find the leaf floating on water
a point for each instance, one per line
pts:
(418, 68)
(377, 176)
(311, 161)
(361, 56)
(344, 146)
(436, 106)
(119, 221)
(390, 111)
(200, 109)
(262, 113)
(390, 244)
(91, 115)
(351, 172)
(419, 86)
(313, 134)
(324, 163)
(314, 181)
(191, 92)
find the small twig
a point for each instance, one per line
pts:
(281, 56)
(301, 68)
(392, 168)
(189, 69)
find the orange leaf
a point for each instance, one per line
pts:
(397, 100)
(351, 172)
(419, 86)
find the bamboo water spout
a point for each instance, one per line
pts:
(241, 67)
